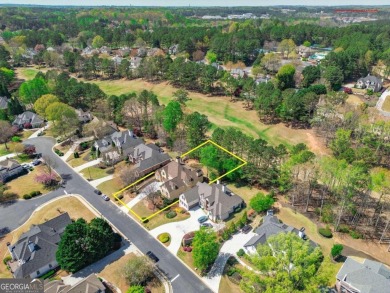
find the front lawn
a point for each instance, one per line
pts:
(84, 158)
(4, 151)
(160, 219)
(93, 173)
(25, 184)
(23, 158)
(111, 186)
(186, 257)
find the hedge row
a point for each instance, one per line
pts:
(32, 194)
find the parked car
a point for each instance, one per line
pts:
(347, 90)
(152, 256)
(207, 225)
(246, 229)
(202, 219)
(97, 191)
(36, 162)
(105, 197)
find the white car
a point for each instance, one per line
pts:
(105, 197)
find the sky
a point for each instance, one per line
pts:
(198, 2)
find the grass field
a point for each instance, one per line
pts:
(220, 111)
(110, 186)
(26, 183)
(83, 159)
(386, 104)
(112, 273)
(94, 173)
(72, 205)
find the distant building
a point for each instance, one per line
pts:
(90, 284)
(176, 178)
(173, 50)
(218, 202)
(135, 62)
(271, 226)
(236, 73)
(83, 116)
(370, 82)
(10, 169)
(35, 251)
(28, 119)
(4, 103)
(364, 276)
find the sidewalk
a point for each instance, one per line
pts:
(74, 147)
(96, 182)
(2, 158)
(35, 134)
(86, 165)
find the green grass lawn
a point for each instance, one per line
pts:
(4, 151)
(94, 173)
(84, 158)
(110, 186)
(386, 104)
(23, 158)
(26, 183)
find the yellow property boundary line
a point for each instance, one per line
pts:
(183, 155)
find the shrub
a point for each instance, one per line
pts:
(261, 202)
(144, 220)
(164, 237)
(336, 250)
(76, 155)
(241, 252)
(27, 196)
(343, 229)
(356, 234)
(171, 215)
(35, 193)
(83, 146)
(136, 289)
(7, 259)
(16, 139)
(93, 148)
(47, 275)
(189, 249)
(326, 232)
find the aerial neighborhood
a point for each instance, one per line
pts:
(187, 149)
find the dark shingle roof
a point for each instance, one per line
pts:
(368, 276)
(149, 156)
(3, 102)
(27, 117)
(90, 284)
(37, 247)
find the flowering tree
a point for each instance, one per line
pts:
(29, 150)
(47, 179)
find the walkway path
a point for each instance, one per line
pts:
(86, 165)
(229, 248)
(96, 182)
(74, 147)
(380, 102)
(5, 157)
(35, 134)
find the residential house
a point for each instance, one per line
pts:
(28, 119)
(29, 53)
(363, 276)
(148, 158)
(370, 82)
(104, 128)
(83, 116)
(263, 79)
(105, 50)
(236, 73)
(89, 51)
(218, 202)
(123, 52)
(34, 254)
(135, 62)
(176, 178)
(117, 146)
(217, 66)
(305, 52)
(117, 60)
(10, 169)
(271, 226)
(153, 52)
(173, 50)
(90, 284)
(3, 103)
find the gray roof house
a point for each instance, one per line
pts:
(148, 158)
(90, 284)
(4, 103)
(9, 169)
(135, 62)
(365, 276)
(28, 117)
(236, 73)
(217, 66)
(271, 226)
(216, 200)
(35, 251)
(370, 82)
(83, 116)
(117, 146)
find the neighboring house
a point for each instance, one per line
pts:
(148, 158)
(117, 146)
(123, 52)
(117, 60)
(28, 118)
(365, 276)
(218, 202)
(90, 284)
(176, 178)
(217, 66)
(10, 169)
(173, 50)
(236, 73)
(35, 251)
(135, 62)
(83, 116)
(104, 128)
(271, 226)
(3, 103)
(153, 52)
(370, 82)
(264, 79)
(304, 52)
(105, 50)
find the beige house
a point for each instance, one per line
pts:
(176, 178)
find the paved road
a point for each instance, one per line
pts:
(184, 280)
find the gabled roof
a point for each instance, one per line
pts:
(8, 165)
(27, 117)
(37, 247)
(149, 156)
(367, 276)
(4, 102)
(125, 139)
(90, 284)
(371, 79)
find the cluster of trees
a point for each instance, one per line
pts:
(205, 248)
(84, 243)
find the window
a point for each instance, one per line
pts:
(38, 273)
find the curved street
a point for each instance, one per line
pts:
(12, 215)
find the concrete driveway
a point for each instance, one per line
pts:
(179, 229)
